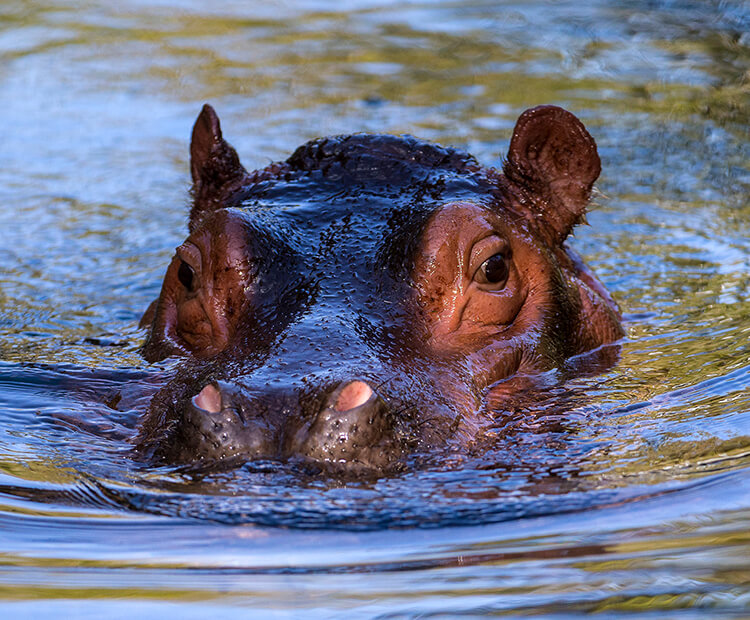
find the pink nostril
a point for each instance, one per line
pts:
(209, 399)
(353, 395)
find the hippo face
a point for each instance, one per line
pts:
(370, 297)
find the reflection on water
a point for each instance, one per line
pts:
(634, 499)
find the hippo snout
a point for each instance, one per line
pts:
(354, 426)
(218, 425)
(349, 423)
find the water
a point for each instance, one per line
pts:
(633, 500)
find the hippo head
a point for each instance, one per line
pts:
(370, 297)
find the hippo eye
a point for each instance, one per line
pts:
(186, 275)
(493, 271)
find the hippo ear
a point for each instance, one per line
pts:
(214, 164)
(553, 160)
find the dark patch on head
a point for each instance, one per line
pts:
(379, 158)
(401, 180)
(393, 168)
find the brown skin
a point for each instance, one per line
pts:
(505, 328)
(198, 311)
(388, 321)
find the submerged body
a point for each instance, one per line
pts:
(370, 297)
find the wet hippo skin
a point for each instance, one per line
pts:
(370, 297)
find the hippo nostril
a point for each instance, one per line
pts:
(208, 399)
(353, 395)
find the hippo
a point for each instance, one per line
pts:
(370, 298)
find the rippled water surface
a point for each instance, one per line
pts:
(634, 499)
